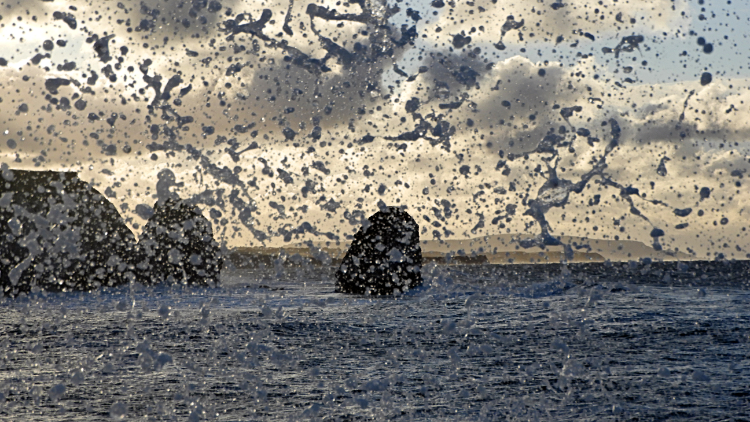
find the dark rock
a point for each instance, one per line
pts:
(177, 246)
(384, 257)
(58, 233)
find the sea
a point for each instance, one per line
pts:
(471, 344)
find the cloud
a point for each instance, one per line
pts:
(347, 110)
(493, 27)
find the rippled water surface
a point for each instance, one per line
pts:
(468, 346)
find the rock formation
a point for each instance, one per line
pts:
(177, 245)
(385, 256)
(58, 233)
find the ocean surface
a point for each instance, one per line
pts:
(279, 344)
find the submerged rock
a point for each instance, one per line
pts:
(384, 257)
(177, 245)
(58, 233)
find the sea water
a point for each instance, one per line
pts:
(471, 344)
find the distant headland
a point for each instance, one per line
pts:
(498, 249)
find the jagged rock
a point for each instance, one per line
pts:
(58, 233)
(384, 257)
(177, 245)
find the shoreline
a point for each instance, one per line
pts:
(622, 271)
(242, 257)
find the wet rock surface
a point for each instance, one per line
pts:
(177, 246)
(385, 256)
(59, 233)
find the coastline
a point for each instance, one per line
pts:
(700, 272)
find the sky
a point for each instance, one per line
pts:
(292, 121)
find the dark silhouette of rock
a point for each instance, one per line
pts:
(177, 245)
(384, 257)
(58, 233)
